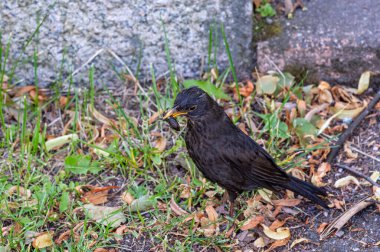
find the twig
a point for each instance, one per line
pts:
(113, 54)
(365, 154)
(358, 174)
(335, 149)
(84, 65)
(373, 201)
(339, 222)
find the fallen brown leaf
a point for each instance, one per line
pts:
(298, 241)
(43, 240)
(252, 222)
(278, 243)
(127, 197)
(97, 195)
(322, 170)
(176, 209)
(280, 234)
(160, 144)
(247, 89)
(286, 202)
(321, 227)
(120, 231)
(211, 213)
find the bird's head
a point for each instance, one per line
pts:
(193, 103)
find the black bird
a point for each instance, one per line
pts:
(227, 156)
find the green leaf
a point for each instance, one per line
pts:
(208, 87)
(78, 164)
(285, 80)
(280, 131)
(304, 129)
(107, 216)
(267, 84)
(141, 204)
(266, 10)
(64, 202)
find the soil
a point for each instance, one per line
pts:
(359, 234)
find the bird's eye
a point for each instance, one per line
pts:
(193, 108)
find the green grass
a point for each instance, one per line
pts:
(128, 159)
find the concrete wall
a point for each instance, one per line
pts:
(75, 30)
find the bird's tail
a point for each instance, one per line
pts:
(307, 190)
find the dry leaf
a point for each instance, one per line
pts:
(25, 193)
(153, 118)
(363, 82)
(321, 227)
(40, 96)
(323, 85)
(315, 110)
(43, 240)
(64, 236)
(325, 96)
(160, 144)
(339, 222)
(277, 244)
(63, 100)
(96, 195)
(119, 232)
(186, 191)
(211, 213)
(374, 176)
(259, 243)
(278, 223)
(257, 3)
(20, 91)
(298, 241)
(279, 234)
(175, 208)
(252, 222)
(207, 227)
(101, 118)
(127, 197)
(286, 202)
(247, 89)
(343, 113)
(349, 152)
(266, 194)
(322, 170)
(241, 126)
(346, 181)
(301, 107)
(56, 143)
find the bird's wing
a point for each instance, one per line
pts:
(252, 161)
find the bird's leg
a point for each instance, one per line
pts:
(232, 196)
(220, 209)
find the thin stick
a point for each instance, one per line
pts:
(358, 174)
(335, 149)
(365, 154)
(113, 54)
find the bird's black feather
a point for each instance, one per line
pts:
(230, 158)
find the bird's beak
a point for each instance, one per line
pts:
(174, 113)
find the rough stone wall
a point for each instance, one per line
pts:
(333, 41)
(75, 30)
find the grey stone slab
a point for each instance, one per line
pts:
(75, 30)
(335, 40)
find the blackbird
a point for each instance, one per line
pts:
(227, 156)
